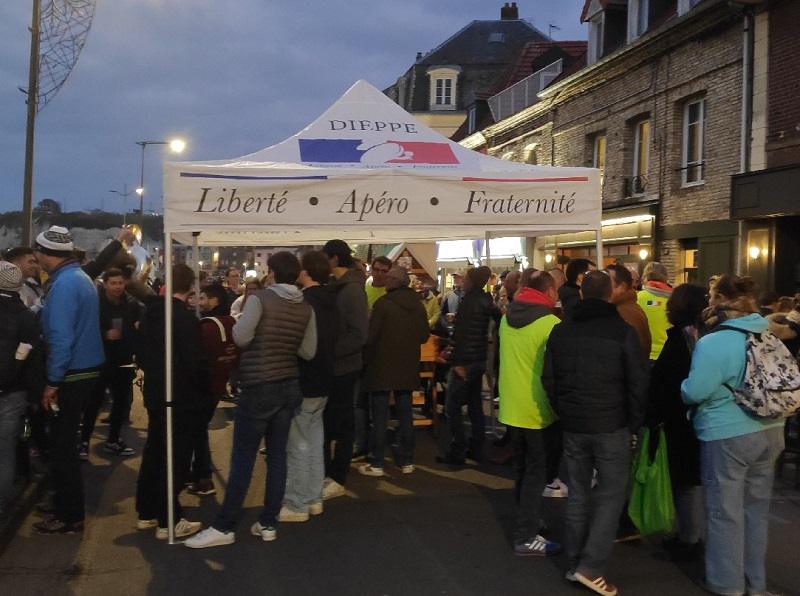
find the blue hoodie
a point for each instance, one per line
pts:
(71, 324)
(719, 358)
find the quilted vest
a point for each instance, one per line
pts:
(272, 355)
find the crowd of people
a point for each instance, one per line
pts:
(316, 355)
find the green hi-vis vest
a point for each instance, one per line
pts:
(654, 306)
(523, 401)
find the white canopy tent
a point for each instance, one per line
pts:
(366, 171)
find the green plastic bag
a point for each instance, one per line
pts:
(651, 507)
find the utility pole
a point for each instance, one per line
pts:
(33, 96)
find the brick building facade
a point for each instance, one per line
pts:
(661, 115)
(766, 199)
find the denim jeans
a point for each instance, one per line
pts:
(12, 408)
(263, 412)
(379, 401)
(536, 456)
(306, 463)
(361, 419)
(340, 427)
(593, 514)
(737, 477)
(460, 391)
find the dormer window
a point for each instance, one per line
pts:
(638, 18)
(596, 37)
(443, 82)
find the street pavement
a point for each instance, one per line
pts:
(436, 531)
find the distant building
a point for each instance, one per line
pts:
(443, 84)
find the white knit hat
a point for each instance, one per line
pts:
(10, 277)
(57, 239)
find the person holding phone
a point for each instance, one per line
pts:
(119, 314)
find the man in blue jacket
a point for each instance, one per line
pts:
(71, 326)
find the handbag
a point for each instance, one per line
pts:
(651, 507)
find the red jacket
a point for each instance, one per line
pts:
(222, 354)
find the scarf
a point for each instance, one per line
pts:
(714, 316)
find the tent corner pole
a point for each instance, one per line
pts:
(488, 250)
(196, 267)
(599, 237)
(168, 385)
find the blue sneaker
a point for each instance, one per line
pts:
(536, 547)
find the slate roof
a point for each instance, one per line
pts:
(481, 61)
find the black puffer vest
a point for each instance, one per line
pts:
(471, 334)
(272, 355)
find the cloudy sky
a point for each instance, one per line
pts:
(229, 77)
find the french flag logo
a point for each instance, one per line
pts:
(366, 153)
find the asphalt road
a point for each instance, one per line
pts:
(436, 531)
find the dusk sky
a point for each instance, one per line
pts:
(228, 77)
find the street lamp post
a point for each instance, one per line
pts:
(175, 145)
(125, 193)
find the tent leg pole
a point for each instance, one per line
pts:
(492, 380)
(196, 267)
(168, 387)
(599, 236)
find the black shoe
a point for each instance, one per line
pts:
(450, 460)
(54, 525)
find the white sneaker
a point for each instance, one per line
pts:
(210, 537)
(146, 524)
(290, 515)
(316, 508)
(331, 490)
(407, 469)
(183, 529)
(369, 470)
(556, 490)
(267, 533)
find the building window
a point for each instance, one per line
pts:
(641, 156)
(444, 92)
(596, 38)
(471, 119)
(638, 18)
(599, 157)
(685, 6)
(693, 166)
(443, 82)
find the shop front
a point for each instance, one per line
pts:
(767, 203)
(627, 238)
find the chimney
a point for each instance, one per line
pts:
(509, 12)
(419, 56)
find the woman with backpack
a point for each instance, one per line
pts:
(738, 449)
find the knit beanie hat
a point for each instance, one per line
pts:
(56, 241)
(10, 277)
(399, 274)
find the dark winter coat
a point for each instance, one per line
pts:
(120, 351)
(569, 294)
(397, 328)
(471, 333)
(316, 375)
(666, 406)
(594, 372)
(353, 323)
(189, 365)
(19, 325)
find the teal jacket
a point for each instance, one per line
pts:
(719, 359)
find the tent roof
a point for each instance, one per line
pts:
(367, 171)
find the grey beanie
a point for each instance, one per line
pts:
(10, 277)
